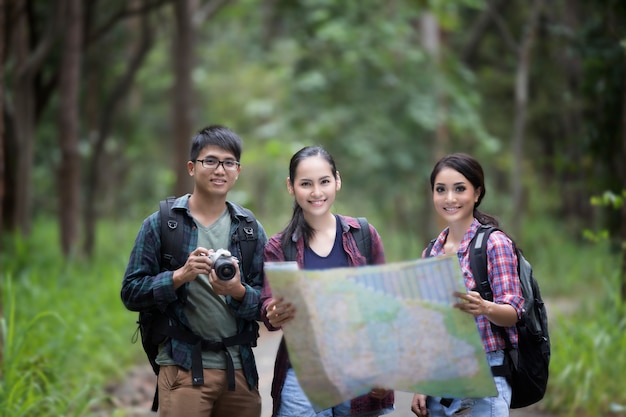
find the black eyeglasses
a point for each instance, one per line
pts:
(214, 163)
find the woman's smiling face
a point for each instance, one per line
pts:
(314, 186)
(454, 196)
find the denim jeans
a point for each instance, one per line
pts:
(294, 403)
(477, 407)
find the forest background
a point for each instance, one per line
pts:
(100, 100)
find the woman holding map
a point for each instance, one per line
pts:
(316, 239)
(458, 186)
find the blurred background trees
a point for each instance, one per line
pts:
(100, 100)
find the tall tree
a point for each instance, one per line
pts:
(30, 52)
(2, 164)
(108, 110)
(2, 48)
(432, 42)
(69, 172)
(183, 109)
(524, 55)
(622, 239)
(189, 16)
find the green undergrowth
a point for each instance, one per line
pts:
(64, 328)
(588, 361)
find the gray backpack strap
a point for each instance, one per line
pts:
(289, 250)
(429, 248)
(478, 261)
(171, 235)
(363, 239)
(246, 237)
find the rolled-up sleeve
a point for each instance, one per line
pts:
(273, 253)
(503, 272)
(378, 251)
(144, 286)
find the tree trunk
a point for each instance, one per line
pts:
(521, 106)
(431, 35)
(623, 176)
(184, 42)
(23, 112)
(69, 172)
(24, 122)
(2, 166)
(2, 177)
(118, 93)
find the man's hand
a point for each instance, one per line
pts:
(233, 286)
(197, 263)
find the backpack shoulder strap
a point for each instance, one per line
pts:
(246, 236)
(478, 265)
(429, 248)
(171, 234)
(478, 261)
(363, 238)
(289, 250)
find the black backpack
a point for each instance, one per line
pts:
(526, 368)
(361, 236)
(155, 326)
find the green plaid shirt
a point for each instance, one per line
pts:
(145, 286)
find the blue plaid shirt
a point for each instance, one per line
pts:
(145, 286)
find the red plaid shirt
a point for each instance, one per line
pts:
(274, 253)
(502, 275)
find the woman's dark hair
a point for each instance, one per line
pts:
(470, 168)
(297, 224)
(219, 136)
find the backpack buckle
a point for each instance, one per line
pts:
(249, 233)
(172, 224)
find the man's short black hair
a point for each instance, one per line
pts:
(219, 136)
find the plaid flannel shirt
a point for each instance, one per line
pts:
(146, 286)
(502, 275)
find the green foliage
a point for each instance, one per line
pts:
(557, 260)
(65, 330)
(588, 353)
(28, 374)
(609, 199)
(613, 203)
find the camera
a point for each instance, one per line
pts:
(223, 264)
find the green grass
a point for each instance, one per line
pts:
(588, 361)
(66, 333)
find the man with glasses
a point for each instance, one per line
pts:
(218, 310)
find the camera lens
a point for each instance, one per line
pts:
(224, 268)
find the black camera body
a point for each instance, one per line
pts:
(223, 264)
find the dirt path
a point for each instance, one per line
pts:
(135, 394)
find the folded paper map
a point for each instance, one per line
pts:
(391, 326)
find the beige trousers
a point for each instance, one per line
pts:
(179, 397)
